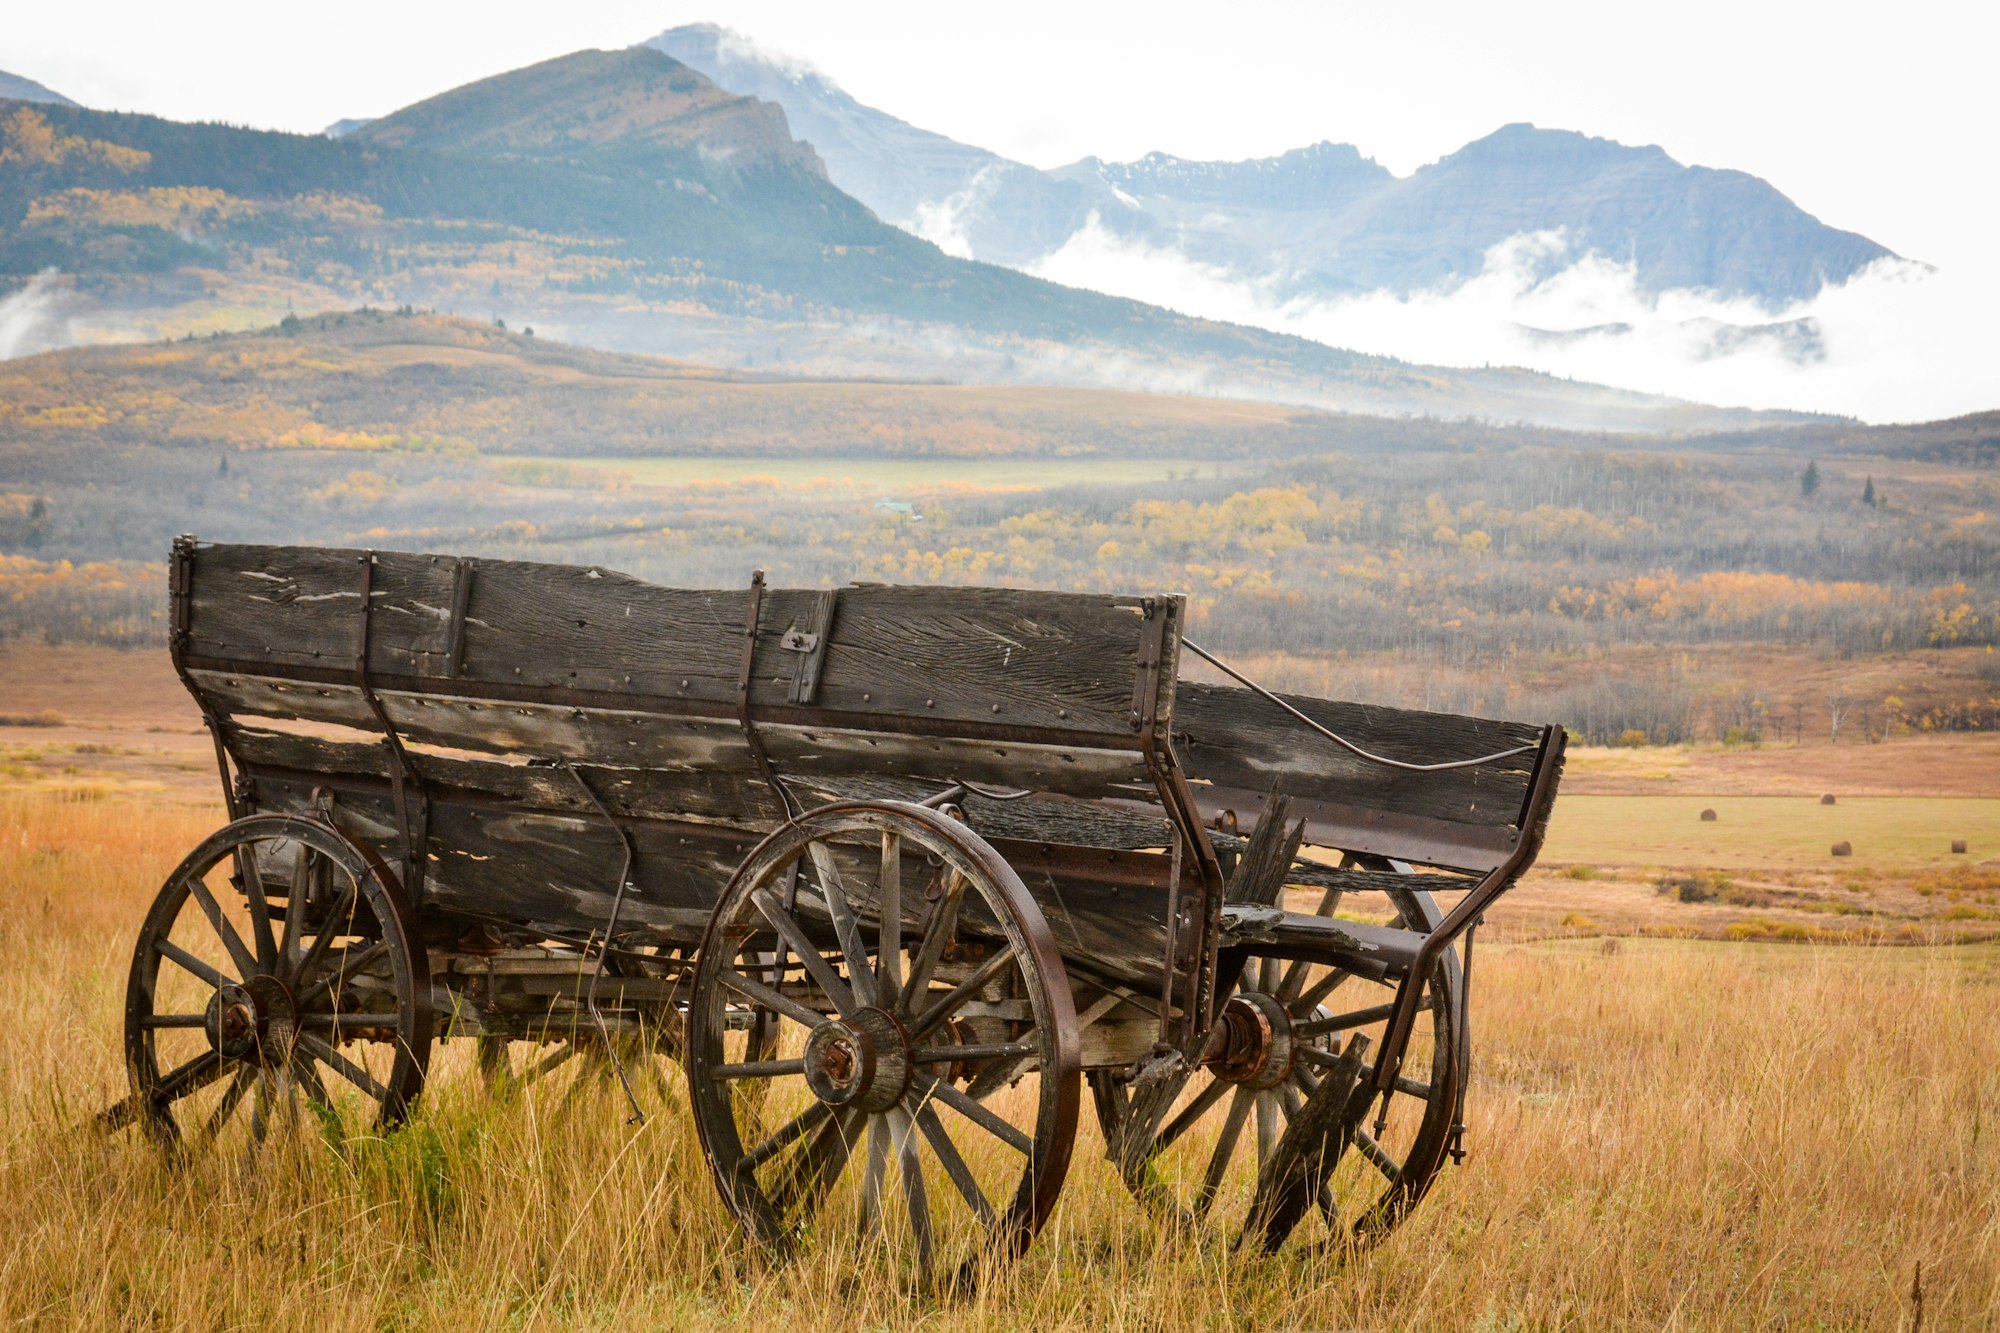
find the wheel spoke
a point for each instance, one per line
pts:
(355, 963)
(979, 1115)
(193, 1076)
(252, 881)
(308, 1076)
(232, 1097)
(246, 962)
(1267, 1127)
(889, 946)
(1325, 986)
(1225, 1148)
(805, 1122)
(846, 926)
(910, 1167)
(303, 871)
(323, 941)
(837, 992)
(174, 1021)
(872, 1174)
(757, 1069)
(927, 1022)
(190, 963)
(812, 1171)
(943, 926)
(954, 1165)
(1353, 1019)
(343, 1066)
(1375, 1153)
(753, 989)
(1190, 1113)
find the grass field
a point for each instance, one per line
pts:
(912, 475)
(1664, 1134)
(1703, 1096)
(1773, 832)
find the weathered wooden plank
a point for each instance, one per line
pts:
(615, 738)
(300, 605)
(1062, 662)
(1230, 737)
(546, 872)
(809, 751)
(1033, 818)
(634, 792)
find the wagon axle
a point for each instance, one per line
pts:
(861, 1061)
(1252, 1044)
(255, 1021)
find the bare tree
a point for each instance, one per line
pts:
(1837, 707)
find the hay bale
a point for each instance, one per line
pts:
(1843, 849)
(1958, 847)
(1826, 799)
(1708, 816)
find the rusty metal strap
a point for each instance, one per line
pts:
(752, 621)
(404, 775)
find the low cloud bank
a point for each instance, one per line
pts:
(33, 319)
(1898, 342)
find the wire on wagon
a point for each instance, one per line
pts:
(1337, 738)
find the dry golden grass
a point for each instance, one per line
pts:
(1665, 1135)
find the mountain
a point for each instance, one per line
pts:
(15, 88)
(621, 199)
(597, 102)
(1322, 220)
(972, 202)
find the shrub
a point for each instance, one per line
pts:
(1580, 871)
(1701, 886)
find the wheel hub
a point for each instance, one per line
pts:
(1253, 1044)
(862, 1060)
(249, 1020)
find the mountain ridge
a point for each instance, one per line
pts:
(1348, 231)
(611, 224)
(19, 88)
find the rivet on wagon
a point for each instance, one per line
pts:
(865, 696)
(996, 708)
(684, 684)
(930, 703)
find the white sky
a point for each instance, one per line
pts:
(1876, 118)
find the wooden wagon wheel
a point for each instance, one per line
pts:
(1206, 1165)
(278, 964)
(925, 1027)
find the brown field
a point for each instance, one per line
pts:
(1721, 1106)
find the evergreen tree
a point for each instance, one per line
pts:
(1809, 482)
(1868, 493)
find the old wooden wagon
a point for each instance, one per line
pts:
(891, 871)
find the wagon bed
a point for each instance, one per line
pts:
(559, 785)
